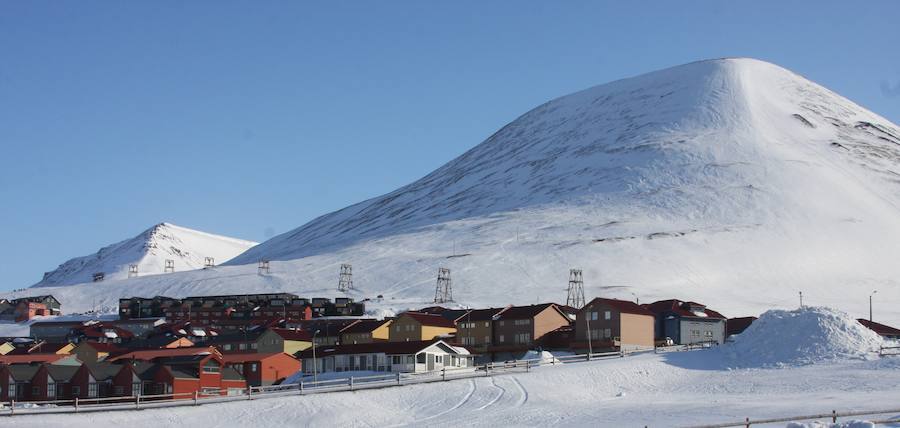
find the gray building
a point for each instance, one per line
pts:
(687, 323)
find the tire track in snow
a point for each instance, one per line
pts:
(495, 399)
(465, 400)
(524, 398)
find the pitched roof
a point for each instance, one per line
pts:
(680, 308)
(481, 314)
(738, 325)
(23, 372)
(103, 371)
(62, 372)
(624, 306)
(151, 354)
(292, 334)
(364, 326)
(31, 358)
(430, 320)
(526, 312)
(881, 329)
(229, 373)
(243, 357)
(389, 348)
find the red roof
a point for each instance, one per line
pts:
(151, 354)
(680, 308)
(881, 329)
(98, 331)
(31, 358)
(623, 306)
(429, 319)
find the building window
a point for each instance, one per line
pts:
(51, 390)
(211, 366)
(253, 367)
(593, 316)
(420, 358)
(135, 389)
(502, 339)
(395, 360)
(607, 315)
(242, 346)
(607, 333)
(226, 347)
(487, 324)
(92, 389)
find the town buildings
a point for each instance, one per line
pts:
(687, 323)
(610, 324)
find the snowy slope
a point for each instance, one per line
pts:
(149, 251)
(731, 182)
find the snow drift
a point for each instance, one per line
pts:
(149, 251)
(802, 336)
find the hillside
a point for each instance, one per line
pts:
(732, 182)
(149, 251)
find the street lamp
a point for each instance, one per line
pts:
(315, 367)
(870, 304)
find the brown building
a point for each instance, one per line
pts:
(475, 328)
(613, 325)
(520, 328)
(417, 326)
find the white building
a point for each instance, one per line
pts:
(395, 357)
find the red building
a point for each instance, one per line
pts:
(263, 369)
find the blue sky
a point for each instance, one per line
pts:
(251, 118)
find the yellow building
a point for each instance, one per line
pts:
(415, 326)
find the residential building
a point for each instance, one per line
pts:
(396, 357)
(418, 326)
(475, 328)
(687, 323)
(263, 368)
(611, 324)
(366, 331)
(883, 330)
(737, 325)
(283, 340)
(519, 328)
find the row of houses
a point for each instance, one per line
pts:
(238, 308)
(26, 308)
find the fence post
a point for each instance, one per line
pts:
(443, 373)
(351, 383)
(528, 366)
(76, 404)
(137, 401)
(833, 417)
(301, 387)
(12, 406)
(398, 378)
(249, 392)
(196, 396)
(748, 422)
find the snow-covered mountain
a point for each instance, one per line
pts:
(732, 182)
(148, 251)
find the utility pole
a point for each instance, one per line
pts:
(443, 292)
(345, 280)
(870, 304)
(587, 321)
(315, 367)
(575, 297)
(801, 300)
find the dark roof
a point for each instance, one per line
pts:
(23, 372)
(429, 319)
(243, 357)
(682, 309)
(39, 348)
(390, 348)
(481, 314)
(526, 312)
(62, 372)
(738, 325)
(366, 326)
(329, 326)
(103, 371)
(881, 329)
(624, 306)
(229, 373)
(291, 334)
(454, 314)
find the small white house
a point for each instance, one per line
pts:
(395, 357)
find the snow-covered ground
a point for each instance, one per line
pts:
(657, 390)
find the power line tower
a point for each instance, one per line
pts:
(576, 289)
(345, 280)
(170, 266)
(209, 262)
(132, 271)
(443, 291)
(263, 268)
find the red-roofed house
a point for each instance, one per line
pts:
(687, 322)
(885, 331)
(263, 369)
(417, 326)
(520, 328)
(613, 325)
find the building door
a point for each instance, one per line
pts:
(430, 361)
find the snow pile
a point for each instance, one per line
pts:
(802, 336)
(543, 356)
